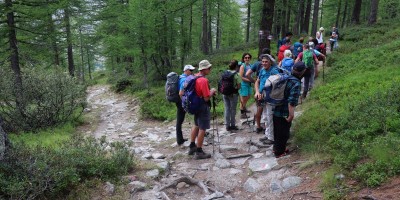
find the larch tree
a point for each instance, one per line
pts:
(315, 17)
(355, 19)
(374, 12)
(266, 25)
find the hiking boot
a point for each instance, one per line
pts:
(228, 128)
(281, 155)
(243, 116)
(260, 130)
(234, 128)
(268, 142)
(202, 155)
(263, 139)
(192, 150)
(247, 111)
(181, 142)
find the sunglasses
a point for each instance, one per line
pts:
(246, 57)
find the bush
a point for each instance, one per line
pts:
(27, 173)
(49, 97)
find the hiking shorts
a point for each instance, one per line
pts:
(202, 119)
(245, 89)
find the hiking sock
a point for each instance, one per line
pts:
(242, 111)
(192, 144)
(199, 149)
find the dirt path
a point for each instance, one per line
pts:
(259, 175)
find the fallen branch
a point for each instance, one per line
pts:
(306, 193)
(188, 180)
(239, 156)
(165, 196)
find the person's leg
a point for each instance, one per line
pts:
(306, 85)
(281, 134)
(204, 123)
(258, 114)
(193, 135)
(312, 77)
(180, 117)
(269, 125)
(227, 111)
(234, 101)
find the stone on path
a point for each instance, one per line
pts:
(223, 163)
(158, 156)
(109, 188)
(262, 164)
(228, 148)
(275, 186)
(164, 165)
(147, 156)
(137, 186)
(251, 185)
(253, 149)
(240, 140)
(290, 182)
(235, 171)
(257, 155)
(153, 173)
(215, 195)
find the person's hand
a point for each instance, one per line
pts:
(289, 118)
(213, 91)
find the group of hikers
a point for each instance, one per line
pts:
(294, 63)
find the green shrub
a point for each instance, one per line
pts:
(49, 97)
(27, 173)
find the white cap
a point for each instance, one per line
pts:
(188, 67)
(204, 64)
(322, 29)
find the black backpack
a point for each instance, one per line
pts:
(226, 83)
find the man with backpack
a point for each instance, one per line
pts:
(264, 74)
(174, 92)
(257, 67)
(284, 114)
(282, 41)
(228, 86)
(310, 60)
(203, 115)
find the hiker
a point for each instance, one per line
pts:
(333, 41)
(282, 41)
(203, 117)
(245, 85)
(282, 49)
(180, 112)
(264, 74)
(319, 35)
(298, 47)
(284, 114)
(231, 98)
(310, 59)
(256, 67)
(287, 61)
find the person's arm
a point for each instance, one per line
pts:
(248, 75)
(257, 95)
(280, 63)
(180, 93)
(213, 91)
(242, 74)
(291, 113)
(299, 57)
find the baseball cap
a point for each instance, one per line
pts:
(188, 67)
(299, 66)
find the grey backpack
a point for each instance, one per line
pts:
(172, 87)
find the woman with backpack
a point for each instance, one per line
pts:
(228, 87)
(245, 85)
(287, 62)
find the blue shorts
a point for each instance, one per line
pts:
(202, 118)
(245, 89)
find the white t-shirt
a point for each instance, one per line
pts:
(320, 39)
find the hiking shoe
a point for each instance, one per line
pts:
(202, 155)
(282, 155)
(192, 150)
(247, 111)
(181, 142)
(243, 116)
(234, 128)
(263, 139)
(260, 130)
(228, 128)
(268, 142)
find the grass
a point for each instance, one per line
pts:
(51, 137)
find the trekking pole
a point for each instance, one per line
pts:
(248, 123)
(215, 125)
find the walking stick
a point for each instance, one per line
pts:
(215, 125)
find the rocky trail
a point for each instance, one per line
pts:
(241, 167)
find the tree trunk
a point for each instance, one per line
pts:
(190, 45)
(52, 32)
(184, 42)
(315, 17)
(218, 34)
(320, 19)
(83, 62)
(210, 34)
(283, 17)
(297, 21)
(266, 24)
(338, 13)
(14, 58)
(248, 21)
(301, 13)
(374, 12)
(346, 4)
(287, 24)
(71, 66)
(88, 63)
(4, 143)
(307, 16)
(355, 19)
(204, 35)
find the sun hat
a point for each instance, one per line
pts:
(188, 67)
(204, 64)
(322, 29)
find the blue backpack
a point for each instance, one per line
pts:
(287, 64)
(297, 48)
(191, 102)
(274, 89)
